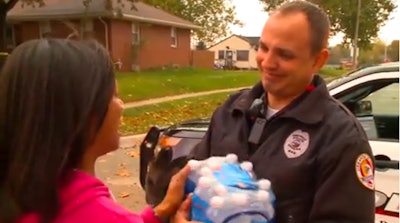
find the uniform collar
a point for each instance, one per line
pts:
(308, 108)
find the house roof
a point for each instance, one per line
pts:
(252, 40)
(62, 9)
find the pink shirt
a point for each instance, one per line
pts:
(85, 198)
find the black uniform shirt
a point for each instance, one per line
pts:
(314, 152)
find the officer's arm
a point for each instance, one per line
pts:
(345, 183)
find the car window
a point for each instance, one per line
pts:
(376, 105)
(385, 101)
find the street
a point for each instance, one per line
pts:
(119, 170)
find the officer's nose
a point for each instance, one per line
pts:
(267, 60)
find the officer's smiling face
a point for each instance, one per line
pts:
(284, 56)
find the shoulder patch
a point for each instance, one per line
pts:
(365, 171)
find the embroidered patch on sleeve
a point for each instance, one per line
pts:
(365, 171)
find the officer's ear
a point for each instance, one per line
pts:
(320, 60)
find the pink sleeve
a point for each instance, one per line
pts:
(149, 216)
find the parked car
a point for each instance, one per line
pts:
(371, 93)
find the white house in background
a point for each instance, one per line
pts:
(236, 52)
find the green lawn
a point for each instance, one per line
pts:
(160, 83)
(138, 120)
(153, 84)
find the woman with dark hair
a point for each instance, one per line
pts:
(60, 111)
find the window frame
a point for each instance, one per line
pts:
(221, 54)
(135, 31)
(174, 37)
(238, 59)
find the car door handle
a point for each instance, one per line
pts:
(384, 162)
(387, 164)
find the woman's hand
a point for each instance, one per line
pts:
(174, 196)
(182, 215)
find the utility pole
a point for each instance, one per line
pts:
(355, 41)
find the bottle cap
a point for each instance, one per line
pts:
(247, 166)
(194, 164)
(264, 184)
(214, 164)
(231, 158)
(217, 202)
(220, 189)
(204, 182)
(205, 171)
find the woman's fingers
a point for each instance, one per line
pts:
(186, 206)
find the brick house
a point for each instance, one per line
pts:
(136, 39)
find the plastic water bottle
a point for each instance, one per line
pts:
(247, 166)
(216, 207)
(220, 190)
(226, 189)
(264, 184)
(231, 158)
(204, 188)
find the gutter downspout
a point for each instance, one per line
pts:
(105, 33)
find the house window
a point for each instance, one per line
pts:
(242, 55)
(221, 54)
(44, 29)
(10, 37)
(87, 27)
(174, 37)
(135, 33)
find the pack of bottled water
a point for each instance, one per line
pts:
(226, 191)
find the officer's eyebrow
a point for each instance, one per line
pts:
(264, 47)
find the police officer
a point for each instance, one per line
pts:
(309, 145)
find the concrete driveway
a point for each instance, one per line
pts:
(120, 172)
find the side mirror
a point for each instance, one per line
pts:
(147, 148)
(363, 108)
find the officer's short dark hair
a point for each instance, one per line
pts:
(317, 19)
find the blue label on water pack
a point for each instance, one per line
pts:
(231, 175)
(199, 209)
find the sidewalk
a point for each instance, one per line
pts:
(175, 97)
(128, 141)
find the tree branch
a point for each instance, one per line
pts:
(72, 27)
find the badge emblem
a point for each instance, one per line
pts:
(365, 171)
(296, 144)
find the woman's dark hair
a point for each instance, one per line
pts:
(52, 93)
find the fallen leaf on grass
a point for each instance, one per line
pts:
(123, 194)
